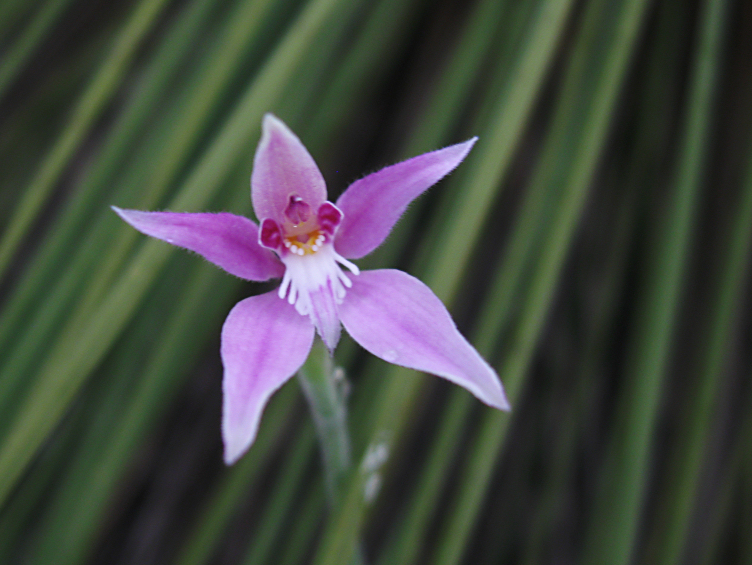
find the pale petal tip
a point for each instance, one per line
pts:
(236, 443)
(271, 122)
(491, 394)
(138, 219)
(270, 119)
(233, 453)
(468, 145)
(229, 458)
(272, 126)
(330, 340)
(125, 215)
(502, 403)
(330, 334)
(495, 397)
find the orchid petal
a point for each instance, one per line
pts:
(373, 204)
(324, 316)
(283, 169)
(399, 319)
(264, 342)
(227, 240)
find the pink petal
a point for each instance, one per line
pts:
(397, 318)
(324, 316)
(227, 240)
(373, 204)
(264, 342)
(283, 170)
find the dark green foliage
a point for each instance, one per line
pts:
(595, 246)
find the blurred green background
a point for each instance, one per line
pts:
(594, 246)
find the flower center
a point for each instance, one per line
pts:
(305, 244)
(313, 277)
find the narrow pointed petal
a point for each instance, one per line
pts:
(264, 342)
(399, 319)
(324, 316)
(227, 240)
(283, 169)
(373, 204)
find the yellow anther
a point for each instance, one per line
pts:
(305, 244)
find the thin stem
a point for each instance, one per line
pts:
(324, 388)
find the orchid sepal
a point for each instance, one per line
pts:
(373, 204)
(227, 240)
(264, 343)
(399, 319)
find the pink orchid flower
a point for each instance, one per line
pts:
(308, 242)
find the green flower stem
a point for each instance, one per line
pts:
(324, 389)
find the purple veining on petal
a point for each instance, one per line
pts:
(264, 342)
(283, 170)
(373, 204)
(227, 240)
(397, 318)
(324, 315)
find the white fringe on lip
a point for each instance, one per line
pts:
(308, 274)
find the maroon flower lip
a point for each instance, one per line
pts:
(307, 241)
